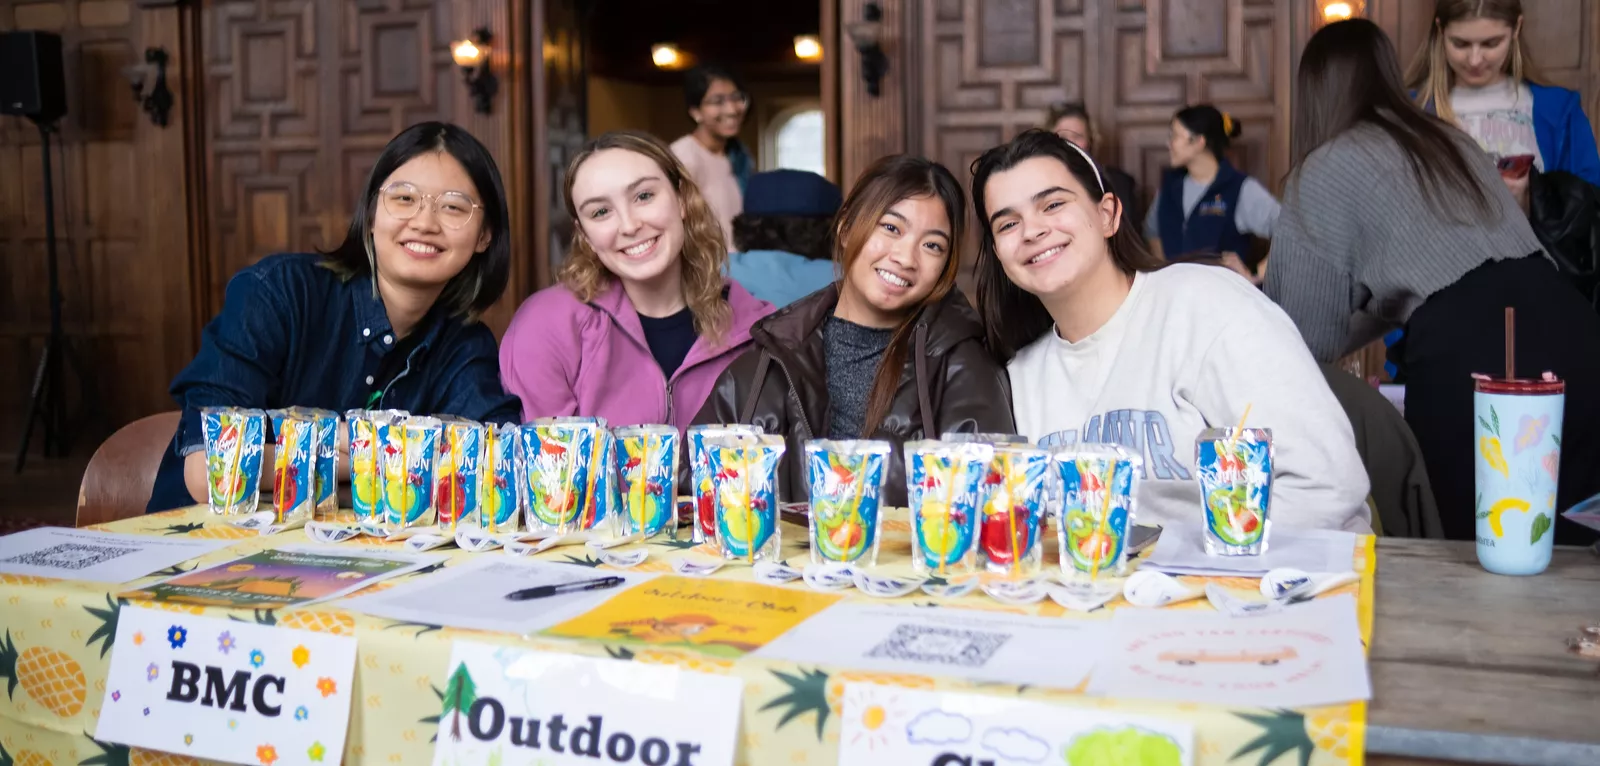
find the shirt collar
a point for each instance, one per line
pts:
(372, 321)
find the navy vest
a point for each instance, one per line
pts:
(1210, 229)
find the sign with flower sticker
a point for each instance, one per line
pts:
(227, 690)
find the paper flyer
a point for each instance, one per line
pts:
(715, 617)
(274, 579)
(1300, 656)
(474, 595)
(981, 645)
(94, 556)
(882, 725)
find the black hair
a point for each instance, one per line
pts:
(1215, 126)
(1349, 75)
(697, 81)
(481, 283)
(1013, 317)
(801, 235)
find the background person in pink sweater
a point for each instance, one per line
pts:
(643, 321)
(719, 164)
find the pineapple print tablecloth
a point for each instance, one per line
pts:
(55, 645)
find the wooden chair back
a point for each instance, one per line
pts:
(119, 477)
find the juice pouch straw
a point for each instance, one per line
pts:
(559, 453)
(944, 484)
(235, 439)
(460, 448)
(409, 459)
(602, 498)
(1016, 499)
(846, 480)
(705, 504)
(499, 506)
(744, 478)
(647, 479)
(293, 466)
(366, 470)
(1098, 484)
(325, 462)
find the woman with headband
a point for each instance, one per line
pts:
(1207, 208)
(1105, 345)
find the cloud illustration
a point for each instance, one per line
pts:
(936, 727)
(1016, 745)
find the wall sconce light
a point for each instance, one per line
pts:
(1329, 11)
(807, 48)
(158, 102)
(666, 56)
(472, 55)
(867, 35)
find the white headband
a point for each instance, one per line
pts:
(1092, 166)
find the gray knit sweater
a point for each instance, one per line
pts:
(1357, 247)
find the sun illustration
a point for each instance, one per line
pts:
(873, 715)
(241, 567)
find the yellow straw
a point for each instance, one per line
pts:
(455, 479)
(486, 481)
(949, 500)
(1105, 517)
(233, 472)
(405, 471)
(278, 466)
(1233, 444)
(637, 488)
(749, 513)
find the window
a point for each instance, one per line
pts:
(795, 139)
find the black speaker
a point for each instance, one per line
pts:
(34, 85)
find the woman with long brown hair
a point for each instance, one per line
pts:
(892, 351)
(643, 320)
(1438, 248)
(1105, 344)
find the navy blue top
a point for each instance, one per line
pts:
(669, 338)
(1211, 228)
(292, 332)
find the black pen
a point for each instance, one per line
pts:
(544, 591)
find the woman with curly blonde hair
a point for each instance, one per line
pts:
(643, 321)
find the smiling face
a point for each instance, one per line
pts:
(1477, 50)
(1074, 129)
(1050, 233)
(629, 214)
(1183, 145)
(722, 109)
(424, 251)
(899, 265)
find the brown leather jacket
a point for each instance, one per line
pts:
(951, 384)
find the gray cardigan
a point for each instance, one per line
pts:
(1357, 247)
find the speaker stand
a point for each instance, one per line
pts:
(47, 400)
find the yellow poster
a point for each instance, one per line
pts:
(716, 617)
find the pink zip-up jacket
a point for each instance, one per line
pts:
(565, 358)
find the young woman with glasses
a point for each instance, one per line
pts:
(717, 161)
(386, 320)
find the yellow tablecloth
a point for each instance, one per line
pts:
(58, 650)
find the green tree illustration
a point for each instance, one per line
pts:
(459, 695)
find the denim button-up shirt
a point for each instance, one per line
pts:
(292, 332)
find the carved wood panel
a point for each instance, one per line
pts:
(993, 67)
(560, 119)
(120, 199)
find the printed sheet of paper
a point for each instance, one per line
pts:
(882, 725)
(991, 646)
(473, 595)
(1306, 654)
(86, 554)
(212, 688)
(1181, 550)
(723, 618)
(274, 579)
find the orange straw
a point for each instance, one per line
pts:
(278, 469)
(233, 472)
(1011, 516)
(1105, 518)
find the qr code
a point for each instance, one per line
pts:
(946, 646)
(72, 556)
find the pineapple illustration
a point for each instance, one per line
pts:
(117, 755)
(1330, 734)
(1282, 732)
(50, 677)
(204, 531)
(316, 621)
(23, 758)
(16, 579)
(836, 684)
(807, 692)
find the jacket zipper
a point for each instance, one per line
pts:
(670, 384)
(806, 424)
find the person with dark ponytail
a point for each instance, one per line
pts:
(1207, 208)
(891, 351)
(717, 161)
